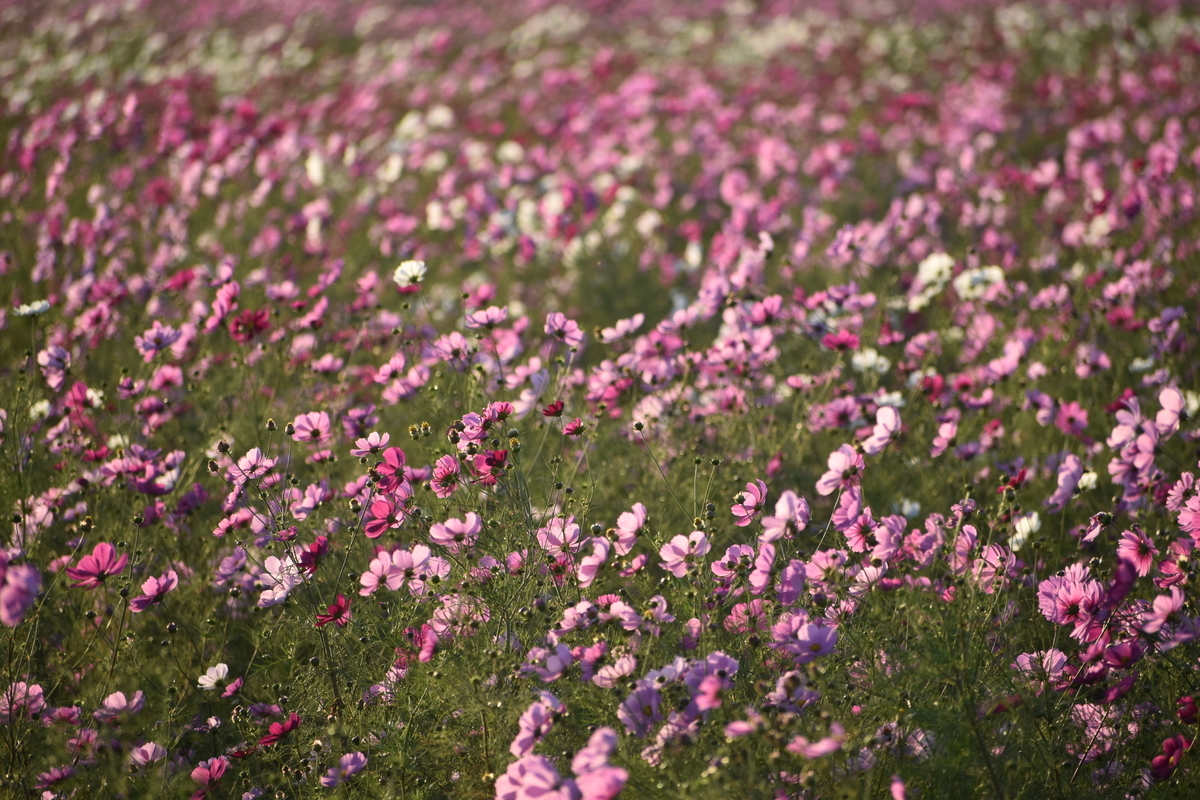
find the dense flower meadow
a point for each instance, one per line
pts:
(624, 398)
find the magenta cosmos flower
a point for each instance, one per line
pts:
(91, 571)
(446, 473)
(278, 730)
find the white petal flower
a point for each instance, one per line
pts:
(209, 680)
(32, 309)
(409, 273)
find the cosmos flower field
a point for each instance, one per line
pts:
(605, 399)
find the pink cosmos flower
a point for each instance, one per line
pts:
(1173, 407)
(92, 570)
(589, 565)
(21, 699)
(250, 323)
(313, 427)
(535, 723)
(54, 775)
(679, 553)
(54, 361)
(386, 513)
(791, 517)
(117, 705)
(574, 428)
(830, 744)
(19, 586)
(549, 665)
(1070, 470)
(841, 340)
(641, 710)
(737, 560)
(609, 675)
(154, 339)
(534, 777)
(764, 567)
(565, 330)
(146, 754)
(153, 591)
(749, 503)
(370, 445)
(946, 434)
(560, 536)
(887, 425)
(446, 473)
(1165, 609)
(250, 467)
(803, 640)
(394, 569)
(348, 766)
(1072, 419)
(489, 318)
(1138, 549)
(622, 328)
(208, 773)
(629, 524)
(600, 747)
(845, 467)
(1090, 359)
(456, 534)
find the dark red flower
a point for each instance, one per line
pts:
(555, 409)
(248, 324)
(337, 612)
(310, 557)
(1173, 749)
(1188, 712)
(280, 729)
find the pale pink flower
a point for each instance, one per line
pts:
(565, 330)
(146, 754)
(313, 427)
(887, 425)
(845, 467)
(456, 534)
(682, 551)
(348, 766)
(370, 445)
(155, 338)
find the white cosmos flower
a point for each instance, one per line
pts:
(32, 309)
(409, 273)
(935, 270)
(1026, 526)
(209, 680)
(869, 360)
(972, 283)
